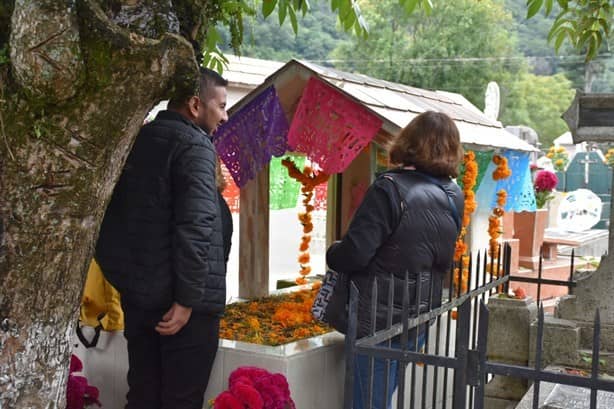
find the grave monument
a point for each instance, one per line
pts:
(568, 333)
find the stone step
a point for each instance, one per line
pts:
(606, 339)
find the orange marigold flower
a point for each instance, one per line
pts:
(305, 270)
(470, 206)
(316, 285)
(300, 333)
(303, 258)
(301, 280)
(307, 227)
(304, 246)
(454, 314)
(253, 323)
(499, 212)
(460, 249)
(502, 171)
(501, 197)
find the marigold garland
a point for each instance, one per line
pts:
(502, 171)
(272, 320)
(494, 220)
(494, 224)
(460, 253)
(309, 179)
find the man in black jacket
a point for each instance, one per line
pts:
(161, 246)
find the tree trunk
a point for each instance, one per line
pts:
(71, 101)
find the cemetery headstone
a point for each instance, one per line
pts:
(587, 170)
(591, 119)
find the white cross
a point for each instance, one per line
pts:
(587, 163)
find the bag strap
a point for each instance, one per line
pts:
(453, 208)
(86, 343)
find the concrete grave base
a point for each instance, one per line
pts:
(314, 368)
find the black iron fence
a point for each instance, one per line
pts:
(541, 281)
(451, 370)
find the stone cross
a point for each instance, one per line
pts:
(591, 118)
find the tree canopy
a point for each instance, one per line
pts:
(459, 47)
(538, 101)
(584, 24)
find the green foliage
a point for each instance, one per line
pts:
(542, 198)
(588, 358)
(585, 24)
(227, 21)
(459, 47)
(229, 14)
(228, 17)
(537, 101)
(317, 36)
(596, 75)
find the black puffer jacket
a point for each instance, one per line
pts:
(161, 238)
(387, 238)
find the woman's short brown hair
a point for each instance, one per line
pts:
(430, 142)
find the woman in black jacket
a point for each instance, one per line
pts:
(408, 222)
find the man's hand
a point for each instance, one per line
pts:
(174, 319)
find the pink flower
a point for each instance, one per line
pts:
(227, 400)
(256, 388)
(247, 394)
(78, 392)
(275, 391)
(75, 364)
(250, 372)
(545, 181)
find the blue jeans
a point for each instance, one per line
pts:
(361, 376)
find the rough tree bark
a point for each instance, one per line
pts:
(71, 101)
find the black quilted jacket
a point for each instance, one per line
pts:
(387, 238)
(161, 238)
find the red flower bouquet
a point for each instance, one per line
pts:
(545, 182)
(255, 388)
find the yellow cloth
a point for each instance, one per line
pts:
(100, 297)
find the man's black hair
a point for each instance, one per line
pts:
(208, 79)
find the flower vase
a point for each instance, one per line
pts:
(529, 228)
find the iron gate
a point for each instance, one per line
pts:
(456, 379)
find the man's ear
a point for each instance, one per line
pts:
(193, 106)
